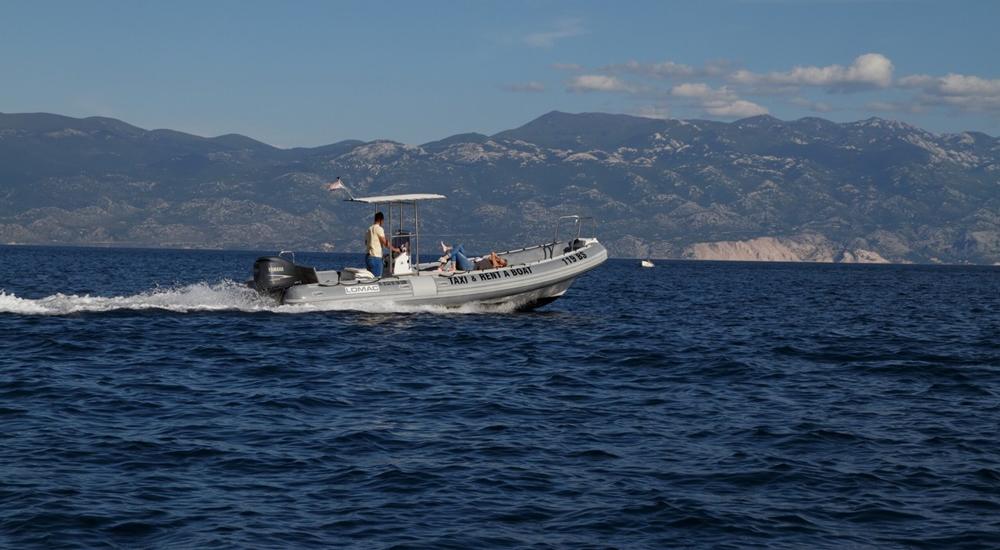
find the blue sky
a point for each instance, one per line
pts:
(310, 73)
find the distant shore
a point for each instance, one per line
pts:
(273, 249)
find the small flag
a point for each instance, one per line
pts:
(337, 184)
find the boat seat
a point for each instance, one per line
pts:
(328, 278)
(352, 275)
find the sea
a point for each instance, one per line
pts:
(148, 399)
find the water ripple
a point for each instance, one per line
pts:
(695, 405)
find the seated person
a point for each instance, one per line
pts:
(491, 262)
(463, 263)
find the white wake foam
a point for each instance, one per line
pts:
(223, 296)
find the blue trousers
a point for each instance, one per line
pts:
(374, 264)
(461, 261)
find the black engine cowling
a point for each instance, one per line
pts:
(274, 274)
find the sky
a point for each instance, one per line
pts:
(311, 73)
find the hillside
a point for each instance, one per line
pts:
(758, 188)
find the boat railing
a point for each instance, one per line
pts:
(578, 222)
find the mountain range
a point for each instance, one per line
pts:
(755, 189)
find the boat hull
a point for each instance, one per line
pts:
(522, 285)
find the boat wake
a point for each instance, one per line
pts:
(226, 295)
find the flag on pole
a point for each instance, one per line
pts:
(337, 184)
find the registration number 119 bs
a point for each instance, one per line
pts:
(573, 258)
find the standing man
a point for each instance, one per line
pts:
(374, 241)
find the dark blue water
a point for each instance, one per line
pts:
(147, 400)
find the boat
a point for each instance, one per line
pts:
(533, 276)
(646, 263)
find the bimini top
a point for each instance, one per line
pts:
(398, 198)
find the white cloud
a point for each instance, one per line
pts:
(700, 90)
(718, 89)
(653, 111)
(666, 69)
(953, 84)
(717, 67)
(564, 28)
(597, 83)
(960, 84)
(735, 109)
(964, 92)
(871, 70)
(917, 81)
(531, 86)
(721, 102)
(670, 69)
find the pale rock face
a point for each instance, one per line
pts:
(939, 154)
(377, 150)
(469, 153)
(68, 132)
(862, 256)
(763, 249)
(580, 157)
(807, 247)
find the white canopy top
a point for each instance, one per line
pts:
(398, 198)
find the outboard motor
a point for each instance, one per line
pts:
(274, 274)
